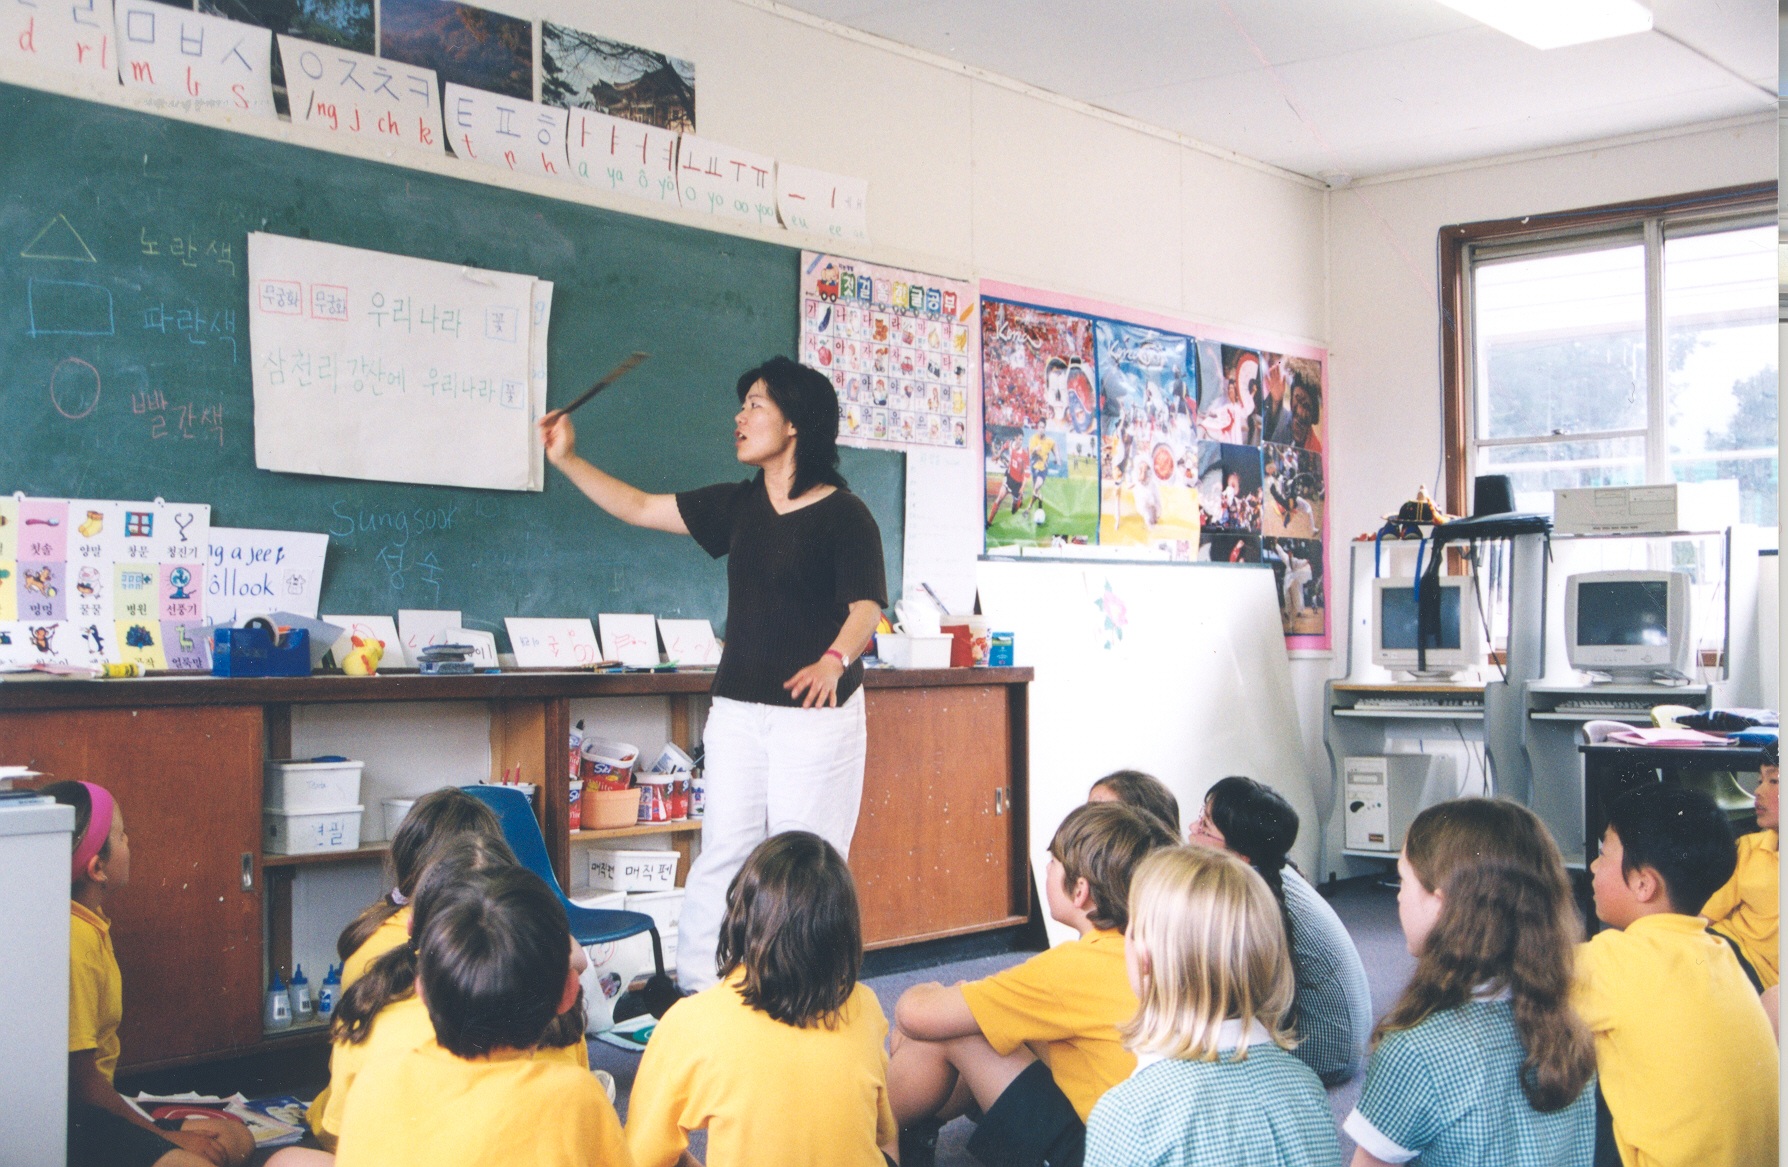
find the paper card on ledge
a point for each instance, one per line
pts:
(418, 628)
(630, 639)
(197, 60)
(724, 180)
(548, 642)
(622, 156)
(483, 645)
(382, 628)
(250, 571)
(504, 132)
(350, 93)
(819, 203)
(689, 642)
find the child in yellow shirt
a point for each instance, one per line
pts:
(102, 1128)
(1687, 1062)
(494, 971)
(1035, 1046)
(782, 1061)
(1747, 911)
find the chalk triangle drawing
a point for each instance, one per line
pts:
(58, 240)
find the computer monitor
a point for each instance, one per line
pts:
(1631, 625)
(1395, 621)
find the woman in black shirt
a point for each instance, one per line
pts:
(784, 740)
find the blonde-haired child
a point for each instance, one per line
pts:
(102, 1128)
(1482, 1059)
(1214, 1081)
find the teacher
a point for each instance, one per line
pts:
(785, 739)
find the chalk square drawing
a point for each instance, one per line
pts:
(689, 642)
(585, 71)
(380, 628)
(544, 642)
(69, 308)
(630, 639)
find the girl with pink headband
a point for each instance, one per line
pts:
(102, 1127)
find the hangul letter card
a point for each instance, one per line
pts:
(689, 642)
(182, 530)
(726, 180)
(552, 642)
(418, 628)
(623, 156)
(504, 132)
(370, 628)
(483, 645)
(629, 638)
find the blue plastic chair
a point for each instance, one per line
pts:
(588, 925)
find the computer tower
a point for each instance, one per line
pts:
(1381, 795)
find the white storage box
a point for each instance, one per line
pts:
(396, 810)
(603, 901)
(665, 908)
(301, 784)
(305, 832)
(913, 652)
(632, 871)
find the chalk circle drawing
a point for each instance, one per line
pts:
(74, 391)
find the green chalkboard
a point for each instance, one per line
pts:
(125, 363)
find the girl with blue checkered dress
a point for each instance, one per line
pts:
(1482, 1060)
(1215, 1083)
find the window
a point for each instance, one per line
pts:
(1615, 346)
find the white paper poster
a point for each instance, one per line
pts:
(351, 93)
(205, 61)
(369, 365)
(689, 642)
(629, 638)
(493, 130)
(419, 628)
(833, 205)
(550, 642)
(74, 37)
(726, 181)
(943, 525)
(250, 571)
(622, 156)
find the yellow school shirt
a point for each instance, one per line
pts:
(395, 930)
(427, 1106)
(1686, 1056)
(1072, 999)
(95, 988)
(1748, 908)
(768, 1094)
(397, 1029)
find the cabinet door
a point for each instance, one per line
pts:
(936, 848)
(188, 937)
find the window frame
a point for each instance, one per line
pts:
(1647, 220)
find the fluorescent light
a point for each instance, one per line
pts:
(1551, 24)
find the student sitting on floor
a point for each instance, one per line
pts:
(1214, 1082)
(1687, 1061)
(967, 1047)
(1747, 911)
(1332, 1011)
(493, 969)
(103, 1130)
(782, 1061)
(1481, 1062)
(1142, 791)
(438, 818)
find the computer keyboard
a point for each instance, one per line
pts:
(1607, 705)
(1424, 703)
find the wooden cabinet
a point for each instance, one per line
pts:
(939, 848)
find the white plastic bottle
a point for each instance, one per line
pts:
(328, 993)
(279, 1006)
(303, 1010)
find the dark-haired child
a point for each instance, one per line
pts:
(1481, 1062)
(1333, 1008)
(1142, 791)
(102, 1128)
(782, 1061)
(969, 1046)
(438, 818)
(1687, 1060)
(494, 971)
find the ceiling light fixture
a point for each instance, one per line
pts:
(1551, 24)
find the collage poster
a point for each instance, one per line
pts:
(898, 346)
(1198, 448)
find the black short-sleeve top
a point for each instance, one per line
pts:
(791, 580)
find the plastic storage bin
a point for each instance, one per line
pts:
(310, 832)
(913, 652)
(631, 871)
(303, 784)
(395, 811)
(607, 809)
(665, 907)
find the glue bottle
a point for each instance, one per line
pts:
(329, 993)
(302, 1008)
(279, 1006)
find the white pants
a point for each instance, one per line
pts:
(768, 769)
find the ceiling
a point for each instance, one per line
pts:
(1348, 87)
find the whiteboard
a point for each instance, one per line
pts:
(369, 365)
(1176, 670)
